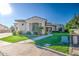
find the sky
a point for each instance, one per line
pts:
(59, 13)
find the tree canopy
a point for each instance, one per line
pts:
(73, 23)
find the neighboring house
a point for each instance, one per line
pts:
(4, 29)
(32, 24)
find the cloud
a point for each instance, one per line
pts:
(5, 8)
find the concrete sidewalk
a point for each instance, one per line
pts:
(5, 34)
(3, 43)
(41, 37)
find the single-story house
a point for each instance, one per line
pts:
(35, 23)
(4, 29)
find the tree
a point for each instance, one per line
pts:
(73, 23)
(12, 28)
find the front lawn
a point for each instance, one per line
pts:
(14, 39)
(61, 48)
(54, 40)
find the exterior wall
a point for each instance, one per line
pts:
(75, 40)
(28, 25)
(53, 28)
(59, 26)
(20, 27)
(35, 20)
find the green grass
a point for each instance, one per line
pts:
(61, 48)
(49, 40)
(14, 39)
(61, 33)
(55, 42)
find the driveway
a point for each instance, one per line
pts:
(25, 49)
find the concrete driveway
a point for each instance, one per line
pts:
(25, 49)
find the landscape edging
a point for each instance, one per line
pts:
(52, 50)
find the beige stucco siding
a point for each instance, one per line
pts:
(21, 27)
(32, 24)
(35, 20)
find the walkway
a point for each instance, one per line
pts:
(41, 37)
(3, 43)
(5, 34)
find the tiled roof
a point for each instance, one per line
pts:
(36, 17)
(20, 20)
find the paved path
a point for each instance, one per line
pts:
(25, 49)
(26, 41)
(5, 34)
(3, 43)
(41, 37)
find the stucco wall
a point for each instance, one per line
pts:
(27, 24)
(21, 27)
(36, 20)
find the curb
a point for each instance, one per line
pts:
(52, 50)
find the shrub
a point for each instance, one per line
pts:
(14, 33)
(55, 32)
(66, 30)
(19, 33)
(71, 31)
(28, 33)
(46, 33)
(35, 33)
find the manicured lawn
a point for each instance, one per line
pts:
(14, 39)
(49, 40)
(55, 42)
(61, 48)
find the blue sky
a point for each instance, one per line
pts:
(55, 13)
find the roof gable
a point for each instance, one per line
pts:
(36, 17)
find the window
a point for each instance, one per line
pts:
(35, 27)
(22, 24)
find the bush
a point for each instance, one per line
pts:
(19, 33)
(71, 31)
(66, 30)
(14, 33)
(35, 33)
(28, 33)
(55, 32)
(46, 33)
